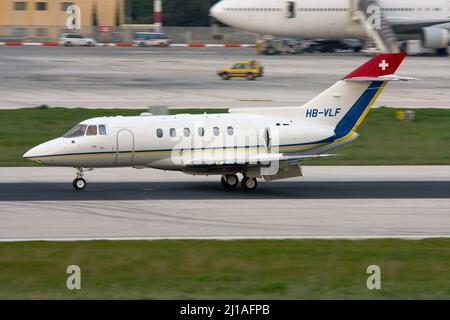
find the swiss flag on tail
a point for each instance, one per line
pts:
(381, 65)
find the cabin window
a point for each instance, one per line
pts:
(230, 131)
(77, 131)
(201, 132)
(173, 133)
(216, 131)
(187, 132)
(91, 131)
(102, 130)
(159, 133)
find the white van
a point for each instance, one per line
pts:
(151, 39)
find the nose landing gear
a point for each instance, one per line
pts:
(80, 183)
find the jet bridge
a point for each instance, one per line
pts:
(372, 19)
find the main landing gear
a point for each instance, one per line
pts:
(249, 184)
(232, 181)
(80, 183)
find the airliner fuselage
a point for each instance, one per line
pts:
(331, 19)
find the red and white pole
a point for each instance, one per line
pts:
(157, 19)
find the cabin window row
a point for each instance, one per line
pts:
(322, 9)
(201, 132)
(253, 9)
(330, 9)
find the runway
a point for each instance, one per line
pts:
(330, 202)
(133, 78)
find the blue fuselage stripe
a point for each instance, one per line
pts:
(350, 119)
(175, 150)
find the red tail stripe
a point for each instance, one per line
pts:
(381, 65)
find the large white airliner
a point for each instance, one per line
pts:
(428, 20)
(267, 143)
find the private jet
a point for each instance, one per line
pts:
(269, 143)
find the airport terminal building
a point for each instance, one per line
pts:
(46, 19)
(104, 20)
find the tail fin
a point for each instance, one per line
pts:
(379, 66)
(344, 106)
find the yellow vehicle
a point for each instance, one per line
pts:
(244, 69)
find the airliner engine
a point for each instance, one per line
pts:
(435, 38)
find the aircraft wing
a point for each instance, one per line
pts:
(413, 25)
(213, 164)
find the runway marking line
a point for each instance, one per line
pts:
(231, 238)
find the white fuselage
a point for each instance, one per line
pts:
(331, 19)
(171, 142)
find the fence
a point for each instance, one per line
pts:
(216, 35)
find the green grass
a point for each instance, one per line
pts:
(383, 140)
(303, 269)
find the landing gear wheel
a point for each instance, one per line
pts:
(79, 184)
(442, 52)
(230, 182)
(249, 184)
(271, 51)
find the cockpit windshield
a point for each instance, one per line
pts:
(77, 131)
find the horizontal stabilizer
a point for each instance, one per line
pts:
(391, 77)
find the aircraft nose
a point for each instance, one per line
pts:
(217, 11)
(28, 154)
(42, 150)
(35, 152)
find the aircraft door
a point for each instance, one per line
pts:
(268, 139)
(291, 9)
(125, 147)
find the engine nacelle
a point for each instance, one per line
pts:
(435, 38)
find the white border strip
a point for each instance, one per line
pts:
(180, 45)
(231, 238)
(34, 44)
